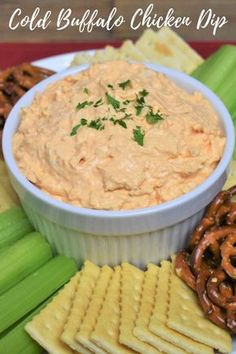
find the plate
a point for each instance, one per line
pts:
(59, 62)
(62, 62)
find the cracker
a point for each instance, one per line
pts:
(46, 327)
(158, 319)
(130, 51)
(167, 48)
(141, 330)
(186, 317)
(89, 321)
(131, 288)
(107, 337)
(83, 294)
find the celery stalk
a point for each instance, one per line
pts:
(17, 341)
(214, 70)
(14, 224)
(34, 289)
(23, 258)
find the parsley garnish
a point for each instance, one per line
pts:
(119, 121)
(98, 103)
(110, 86)
(144, 93)
(84, 104)
(85, 90)
(138, 135)
(96, 124)
(139, 110)
(126, 102)
(153, 118)
(122, 110)
(75, 129)
(111, 100)
(140, 100)
(124, 84)
(127, 116)
(83, 121)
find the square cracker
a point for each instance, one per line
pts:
(104, 335)
(131, 289)
(92, 313)
(158, 321)
(141, 330)
(83, 294)
(186, 317)
(46, 327)
(167, 48)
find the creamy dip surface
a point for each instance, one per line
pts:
(117, 136)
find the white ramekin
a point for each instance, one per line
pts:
(110, 237)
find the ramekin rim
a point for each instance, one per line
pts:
(224, 117)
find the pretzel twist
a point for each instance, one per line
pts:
(208, 265)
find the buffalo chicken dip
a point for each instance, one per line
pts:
(117, 136)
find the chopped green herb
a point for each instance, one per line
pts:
(144, 93)
(124, 84)
(83, 121)
(75, 129)
(140, 103)
(138, 135)
(110, 86)
(121, 123)
(96, 124)
(126, 102)
(112, 101)
(153, 118)
(85, 90)
(139, 110)
(84, 104)
(122, 110)
(127, 116)
(98, 103)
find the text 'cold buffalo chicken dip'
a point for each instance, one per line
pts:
(118, 136)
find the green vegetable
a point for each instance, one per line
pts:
(75, 129)
(153, 118)
(14, 224)
(96, 124)
(138, 135)
(112, 101)
(23, 258)
(215, 68)
(218, 72)
(140, 101)
(34, 289)
(124, 84)
(17, 341)
(84, 104)
(98, 103)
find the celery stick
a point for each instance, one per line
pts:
(3, 250)
(34, 289)
(13, 225)
(23, 258)
(17, 341)
(214, 70)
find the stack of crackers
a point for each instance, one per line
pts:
(162, 47)
(125, 310)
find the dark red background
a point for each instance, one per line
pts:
(16, 53)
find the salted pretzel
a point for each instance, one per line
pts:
(14, 82)
(208, 265)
